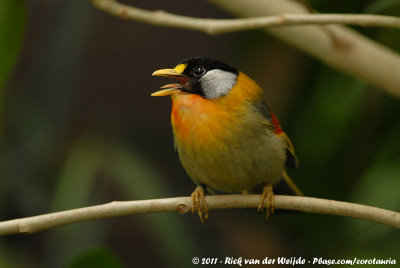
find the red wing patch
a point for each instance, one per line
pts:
(291, 160)
(275, 122)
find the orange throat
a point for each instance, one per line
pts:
(192, 118)
(198, 121)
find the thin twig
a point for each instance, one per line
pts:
(349, 51)
(182, 205)
(219, 26)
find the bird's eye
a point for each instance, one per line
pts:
(198, 71)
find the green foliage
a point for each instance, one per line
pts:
(78, 174)
(98, 257)
(5, 259)
(74, 189)
(12, 26)
(379, 186)
(381, 6)
(325, 121)
(136, 178)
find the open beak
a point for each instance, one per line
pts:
(170, 89)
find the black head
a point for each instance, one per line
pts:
(206, 77)
(196, 67)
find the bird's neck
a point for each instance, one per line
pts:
(209, 118)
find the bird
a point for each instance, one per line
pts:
(227, 138)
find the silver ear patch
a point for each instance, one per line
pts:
(217, 83)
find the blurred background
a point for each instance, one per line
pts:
(78, 128)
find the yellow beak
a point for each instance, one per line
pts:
(166, 73)
(170, 89)
(165, 92)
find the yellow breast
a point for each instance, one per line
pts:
(223, 143)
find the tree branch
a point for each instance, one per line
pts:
(338, 46)
(220, 26)
(182, 205)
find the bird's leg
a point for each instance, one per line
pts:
(199, 203)
(267, 196)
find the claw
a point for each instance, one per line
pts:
(199, 203)
(267, 197)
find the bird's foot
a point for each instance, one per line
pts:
(199, 203)
(267, 197)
